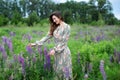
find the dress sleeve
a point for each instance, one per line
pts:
(44, 39)
(64, 38)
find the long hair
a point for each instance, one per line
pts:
(53, 25)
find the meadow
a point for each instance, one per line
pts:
(95, 53)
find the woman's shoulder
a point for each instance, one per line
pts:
(67, 25)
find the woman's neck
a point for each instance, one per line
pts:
(61, 23)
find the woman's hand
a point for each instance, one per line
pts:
(52, 52)
(31, 44)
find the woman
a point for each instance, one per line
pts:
(60, 31)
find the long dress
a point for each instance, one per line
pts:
(62, 62)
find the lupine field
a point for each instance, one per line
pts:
(95, 53)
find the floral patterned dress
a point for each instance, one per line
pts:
(62, 64)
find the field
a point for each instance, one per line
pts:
(95, 53)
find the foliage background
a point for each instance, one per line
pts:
(29, 12)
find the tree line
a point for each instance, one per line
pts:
(35, 11)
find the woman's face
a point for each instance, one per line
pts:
(56, 19)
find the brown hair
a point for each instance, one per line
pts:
(53, 25)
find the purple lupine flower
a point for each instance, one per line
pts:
(12, 33)
(10, 65)
(80, 32)
(4, 39)
(111, 59)
(4, 54)
(29, 37)
(9, 43)
(47, 63)
(78, 59)
(34, 59)
(119, 31)
(22, 62)
(116, 56)
(45, 66)
(1, 48)
(98, 38)
(40, 33)
(66, 72)
(45, 51)
(49, 41)
(29, 50)
(119, 57)
(48, 59)
(115, 53)
(23, 71)
(15, 57)
(39, 50)
(102, 69)
(90, 67)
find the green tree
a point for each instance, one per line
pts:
(83, 12)
(67, 14)
(3, 20)
(102, 7)
(46, 8)
(5, 8)
(16, 18)
(93, 10)
(110, 19)
(33, 18)
(24, 4)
